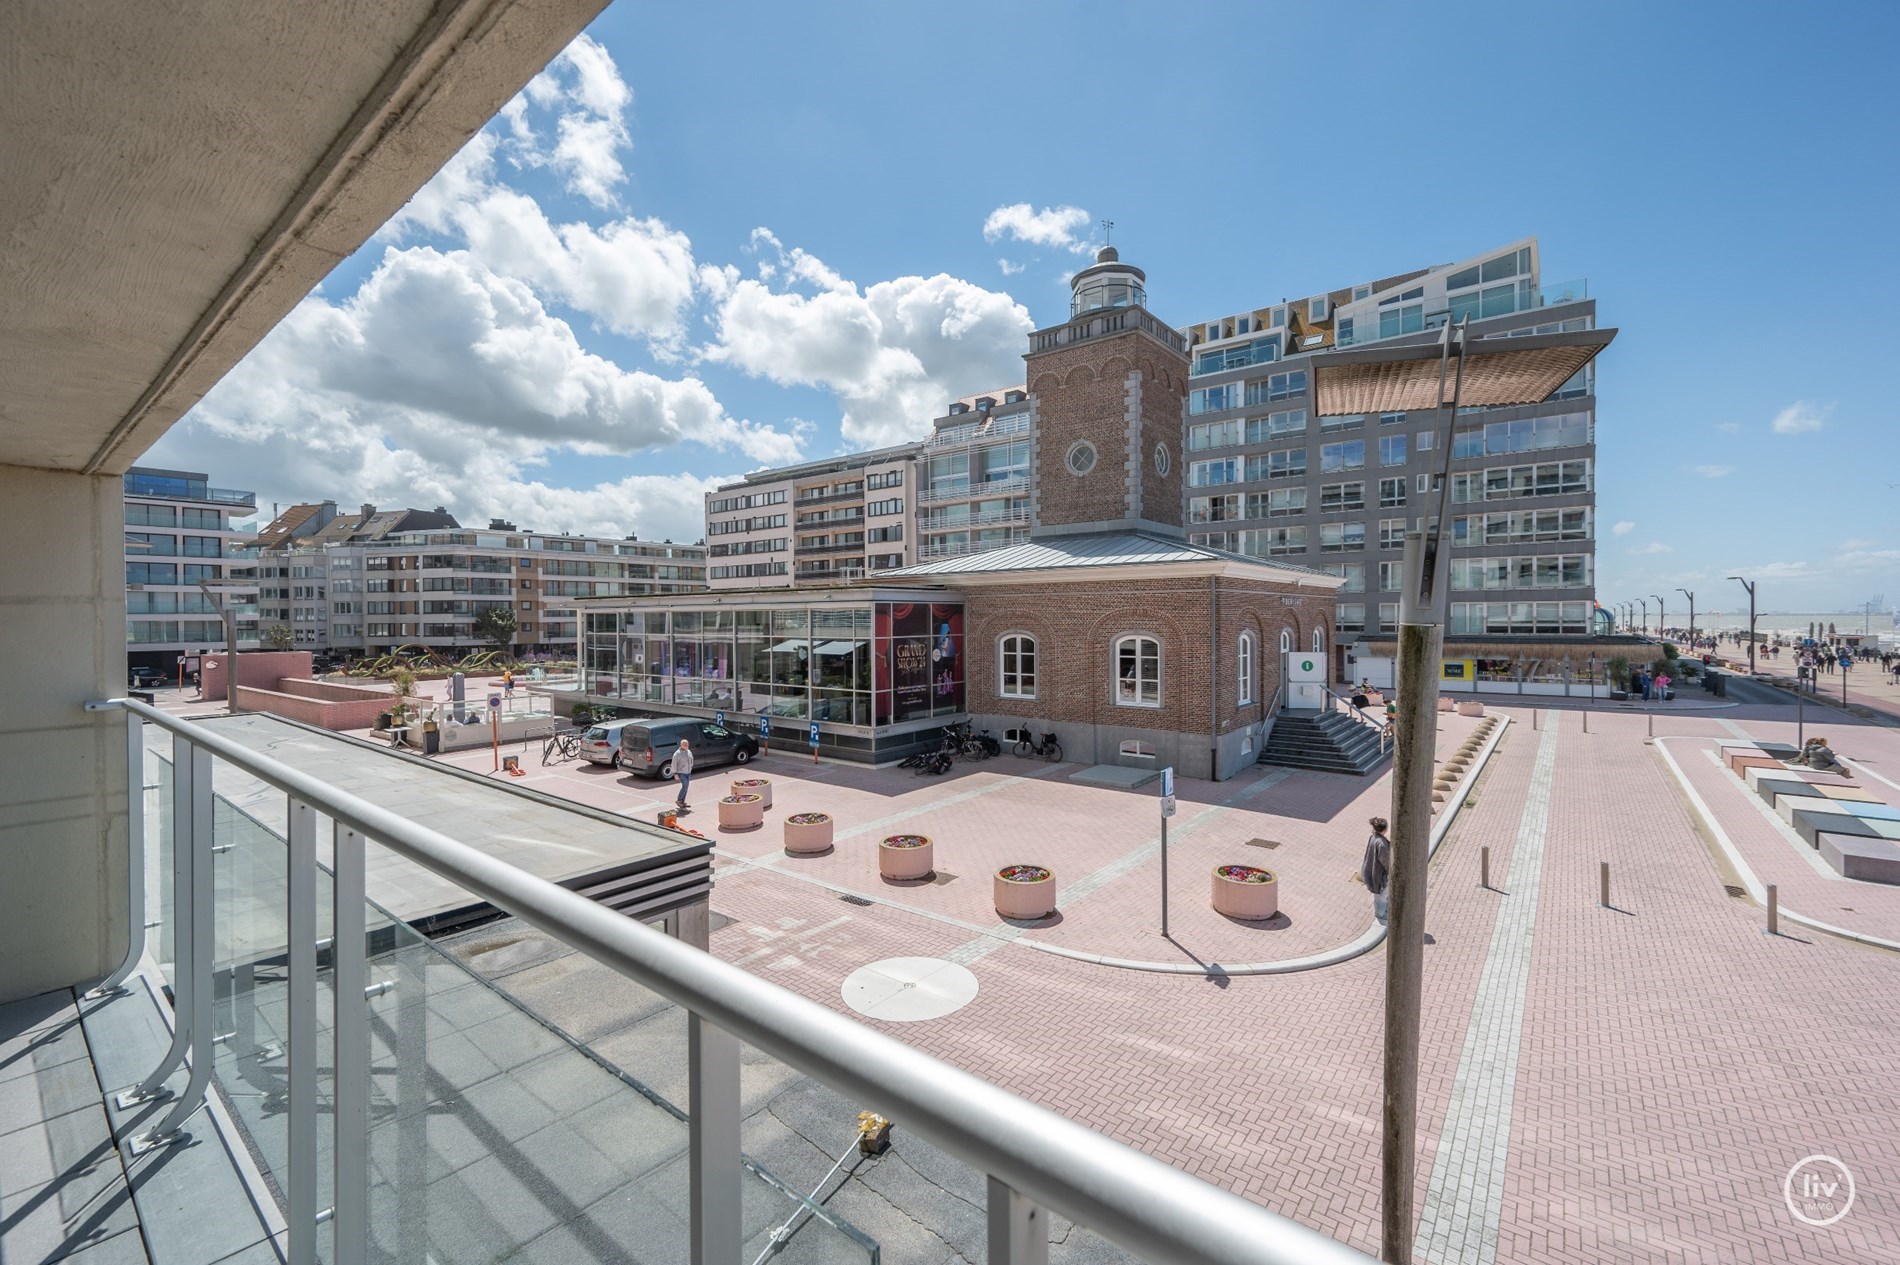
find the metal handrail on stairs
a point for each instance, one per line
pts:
(1383, 731)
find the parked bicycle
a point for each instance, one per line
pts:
(1045, 746)
(560, 744)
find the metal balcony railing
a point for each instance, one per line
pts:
(972, 491)
(1034, 1159)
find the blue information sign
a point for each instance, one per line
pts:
(814, 735)
(719, 718)
(765, 726)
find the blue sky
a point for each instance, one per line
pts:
(710, 239)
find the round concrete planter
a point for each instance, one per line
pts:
(1240, 892)
(760, 786)
(1445, 704)
(1025, 891)
(1471, 709)
(903, 857)
(808, 832)
(741, 812)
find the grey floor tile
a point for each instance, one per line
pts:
(29, 1014)
(56, 1220)
(48, 1046)
(124, 1248)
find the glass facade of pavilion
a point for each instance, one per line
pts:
(861, 662)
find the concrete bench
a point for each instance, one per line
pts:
(1858, 857)
(1810, 825)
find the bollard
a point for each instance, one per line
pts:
(1604, 883)
(1484, 868)
(1774, 911)
(1652, 724)
(1586, 720)
(1533, 720)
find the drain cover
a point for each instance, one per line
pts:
(855, 900)
(1263, 843)
(1736, 892)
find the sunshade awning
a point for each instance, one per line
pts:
(1497, 372)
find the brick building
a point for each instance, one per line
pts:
(1106, 626)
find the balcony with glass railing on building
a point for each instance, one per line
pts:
(177, 487)
(1371, 325)
(938, 493)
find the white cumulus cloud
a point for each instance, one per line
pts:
(1062, 227)
(1714, 472)
(1623, 528)
(1653, 547)
(1800, 417)
(894, 353)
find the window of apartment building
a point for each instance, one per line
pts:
(1276, 425)
(1214, 509)
(895, 506)
(878, 482)
(1202, 474)
(1391, 492)
(1473, 618)
(884, 535)
(1016, 666)
(1354, 573)
(1409, 319)
(1214, 399)
(1204, 435)
(1544, 571)
(1350, 455)
(199, 573)
(1243, 670)
(1137, 671)
(1272, 542)
(1342, 421)
(1277, 503)
(1391, 419)
(1349, 617)
(1339, 537)
(1545, 478)
(141, 515)
(1342, 496)
(1521, 526)
(1391, 450)
(1391, 533)
(1345, 331)
(1526, 434)
(1288, 463)
(203, 520)
(1390, 575)
(1279, 386)
(1388, 616)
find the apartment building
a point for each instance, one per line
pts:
(1268, 478)
(974, 493)
(369, 588)
(821, 522)
(181, 540)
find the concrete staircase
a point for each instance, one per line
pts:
(1327, 740)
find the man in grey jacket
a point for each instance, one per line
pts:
(683, 770)
(1376, 868)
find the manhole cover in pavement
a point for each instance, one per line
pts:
(906, 990)
(1263, 843)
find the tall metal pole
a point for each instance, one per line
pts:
(1645, 604)
(1662, 617)
(1691, 596)
(1420, 652)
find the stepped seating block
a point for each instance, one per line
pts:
(1859, 857)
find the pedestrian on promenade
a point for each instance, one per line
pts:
(683, 770)
(1376, 869)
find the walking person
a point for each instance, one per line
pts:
(1376, 868)
(683, 770)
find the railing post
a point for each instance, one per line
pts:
(349, 978)
(712, 1057)
(193, 825)
(300, 1188)
(134, 858)
(1019, 1230)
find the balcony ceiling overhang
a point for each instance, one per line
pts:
(179, 175)
(1497, 372)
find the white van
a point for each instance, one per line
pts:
(601, 743)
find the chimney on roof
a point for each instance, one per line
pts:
(441, 509)
(368, 509)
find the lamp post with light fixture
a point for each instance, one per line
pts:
(1751, 621)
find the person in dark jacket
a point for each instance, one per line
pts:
(1376, 868)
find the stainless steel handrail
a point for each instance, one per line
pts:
(1144, 1205)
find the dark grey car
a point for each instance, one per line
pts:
(647, 746)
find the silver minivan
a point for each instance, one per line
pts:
(601, 743)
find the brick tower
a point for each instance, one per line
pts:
(1107, 390)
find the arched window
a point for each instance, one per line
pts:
(1137, 671)
(1244, 673)
(1319, 641)
(1016, 666)
(1286, 641)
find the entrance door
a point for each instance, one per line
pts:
(1305, 676)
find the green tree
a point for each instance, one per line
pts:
(496, 624)
(279, 637)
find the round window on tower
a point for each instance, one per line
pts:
(1161, 459)
(1081, 458)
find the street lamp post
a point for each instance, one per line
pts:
(1644, 603)
(1662, 617)
(1751, 621)
(1691, 596)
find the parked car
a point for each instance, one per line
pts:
(601, 743)
(647, 746)
(146, 678)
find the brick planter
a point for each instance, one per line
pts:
(906, 857)
(808, 832)
(741, 812)
(1025, 891)
(1241, 892)
(1471, 709)
(760, 786)
(1445, 704)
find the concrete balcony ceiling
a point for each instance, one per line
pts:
(180, 174)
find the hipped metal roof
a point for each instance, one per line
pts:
(1497, 372)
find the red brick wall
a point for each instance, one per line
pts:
(1163, 407)
(311, 711)
(1081, 393)
(328, 692)
(259, 669)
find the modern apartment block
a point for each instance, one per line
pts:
(354, 587)
(974, 493)
(815, 523)
(179, 541)
(1269, 478)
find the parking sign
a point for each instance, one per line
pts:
(494, 701)
(814, 735)
(1167, 782)
(719, 718)
(765, 726)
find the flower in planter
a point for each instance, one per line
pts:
(807, 819)
(1245, 874)
(737, 799)
(750, 781)
(906, 841)
(1024, 874)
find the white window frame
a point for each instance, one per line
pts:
(1130, 693)
(1005, 675)
(1319, 641)
(1244, 670)
(1286, 641)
